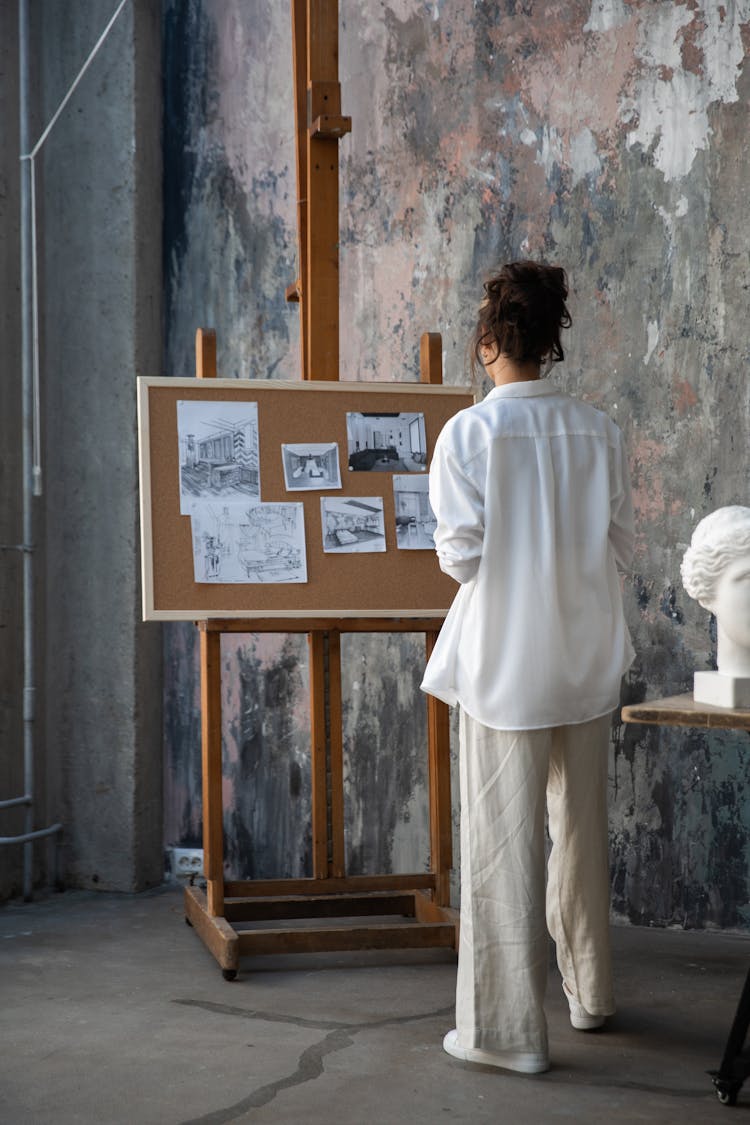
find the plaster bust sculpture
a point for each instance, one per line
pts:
(716, 572)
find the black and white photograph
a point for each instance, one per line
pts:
(218, 452)
(415, 519)
(386, 443)
(352, 525)
(311, 467)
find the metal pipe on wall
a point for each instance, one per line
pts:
(29, 687)
(31, 477)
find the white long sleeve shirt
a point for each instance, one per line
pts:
(531, 492)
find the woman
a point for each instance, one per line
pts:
(532, 497)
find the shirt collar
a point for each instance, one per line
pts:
(529, 388)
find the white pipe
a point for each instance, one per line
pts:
(15, 801)
(24, 147)
(27, 423)
(27, 837)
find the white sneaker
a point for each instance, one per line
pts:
(522, 1061)
(580, 1019)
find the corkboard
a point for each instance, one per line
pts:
(396, 583)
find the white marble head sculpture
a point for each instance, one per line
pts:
(716, 572)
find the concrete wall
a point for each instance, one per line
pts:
(606, 136)
(99, 672)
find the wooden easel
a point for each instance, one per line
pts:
(418, 902)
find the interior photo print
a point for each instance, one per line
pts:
(415, 519)
(352, 526)
(311, 466)
(386, 443)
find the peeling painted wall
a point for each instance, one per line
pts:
(607, 135)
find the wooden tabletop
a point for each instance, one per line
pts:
(683, 711)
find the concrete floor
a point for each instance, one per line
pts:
(113, 1013)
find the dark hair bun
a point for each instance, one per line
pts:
(523, 313)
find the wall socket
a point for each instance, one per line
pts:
(185, 862)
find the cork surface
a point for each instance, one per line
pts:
(395, 582)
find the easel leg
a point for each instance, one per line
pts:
(316, 643)
(327, 755)
(441, 841)
(213, 828)
(438, 729)
(336, 760)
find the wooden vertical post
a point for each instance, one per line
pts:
(438, 728)
(297, 291)
(213, 828)
(337, 860)
(205, 353)
(318, 110)
(320, 288)
(210, 663)
(431, 358)
(327, 769)
(438, 749)
(316, 644)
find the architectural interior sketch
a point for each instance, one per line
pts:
(311, 466)
(218, 451)
(386, 443)
(415, 520)
(237, 542)
(352, 525)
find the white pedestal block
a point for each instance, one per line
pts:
(721, 691)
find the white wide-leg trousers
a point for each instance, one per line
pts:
(502, 962)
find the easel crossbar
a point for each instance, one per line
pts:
(352, 884)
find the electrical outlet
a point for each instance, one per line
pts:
(186, 862)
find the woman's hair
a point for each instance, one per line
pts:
(722, 536)
(522, 314)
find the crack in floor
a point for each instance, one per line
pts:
(310, 1065)
(272, 1017)
(340, 1036)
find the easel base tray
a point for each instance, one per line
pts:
(250, 926)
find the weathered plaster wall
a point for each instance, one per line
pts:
(605, 135)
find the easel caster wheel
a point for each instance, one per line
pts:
(229, 974)
(727, 1095)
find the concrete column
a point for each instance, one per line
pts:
(100, 214)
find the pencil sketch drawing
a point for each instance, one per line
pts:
(218, 451)
(234, 542)
(386, 443)
(415, 520)
(352, 525)
(312, 466)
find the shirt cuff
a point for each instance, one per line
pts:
(460, 571)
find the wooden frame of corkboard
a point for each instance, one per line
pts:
(391, 584)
